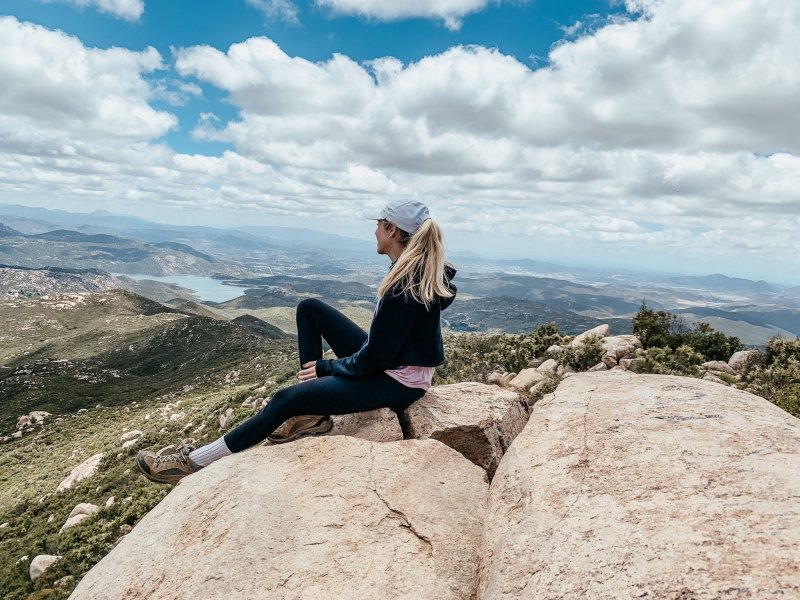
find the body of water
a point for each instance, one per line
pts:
(207, 288)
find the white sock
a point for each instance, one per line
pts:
(207, 454)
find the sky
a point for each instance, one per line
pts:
(650, 134)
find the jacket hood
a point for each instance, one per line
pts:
(449, 273)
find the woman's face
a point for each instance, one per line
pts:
(383, 235)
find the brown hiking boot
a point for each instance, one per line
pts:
(301, 426)
(167, 468)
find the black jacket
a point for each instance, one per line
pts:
(403, 333)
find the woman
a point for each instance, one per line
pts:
(391, 367)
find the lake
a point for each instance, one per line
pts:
(207, 288)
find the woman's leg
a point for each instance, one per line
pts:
(324, 396)
(317, 320)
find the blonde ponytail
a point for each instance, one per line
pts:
(420, 267)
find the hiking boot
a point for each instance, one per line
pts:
(301, 426)
(167, 468)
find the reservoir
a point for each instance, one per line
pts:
(212, 290)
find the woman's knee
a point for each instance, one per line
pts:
(308, 305)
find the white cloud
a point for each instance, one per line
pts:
(130, 10)
(666, 132)
(281, 10)
(56, 88)
(451, 12)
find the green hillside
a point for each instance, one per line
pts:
(103, 364)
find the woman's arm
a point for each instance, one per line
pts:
(387, 334)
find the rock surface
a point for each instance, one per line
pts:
(83, 471)
(526, 379)
(646, 486)
(325, 517)
(480, 421)
(600, 331)
(738, 360)
(380, 425)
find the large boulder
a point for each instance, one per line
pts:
(324, 517)
(620, 346)
(600, 331)
(39, 564)
(646, 486)
(526, 379)
(738, 361)
(480, 421)
(83, 471)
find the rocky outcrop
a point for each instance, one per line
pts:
(36, 416)
(738, 361)
(526, 379)
(646, 486)
(480, 421)
(324, 517)
(83, 471)
(380, 425)
(600, 331)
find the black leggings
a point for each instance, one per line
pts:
(331, 395)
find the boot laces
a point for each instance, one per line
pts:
(180, 455)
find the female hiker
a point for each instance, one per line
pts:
(390, 367)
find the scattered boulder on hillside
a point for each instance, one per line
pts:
(600, 331)
(130, 435)
(548, 366)
(39, 564)
(718, 366)
(619, 481)
(81, 512)
(500, 377)
(739, 360)
(36, 416)
(526, 379)
(226, 419)
(475, 419)
(232, 378)
(338, 517)
(83, 471)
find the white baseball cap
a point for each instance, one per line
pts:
(408, 215)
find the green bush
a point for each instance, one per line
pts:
(471, 356)
(661, 329)
(774, 373)
(684, 360)
(583, 356)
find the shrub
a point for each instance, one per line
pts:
(664, 330)
(774, 374)
(583, 356)
(684, 360)
(471, 356)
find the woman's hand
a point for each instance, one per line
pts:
(308, 372)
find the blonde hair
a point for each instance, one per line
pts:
(420, 267)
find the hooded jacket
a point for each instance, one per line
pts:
(403, 333)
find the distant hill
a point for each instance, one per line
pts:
(513, 315)
(67, 235)
(68, 248)
(8, 232)
(261, 328)
(721, 282)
